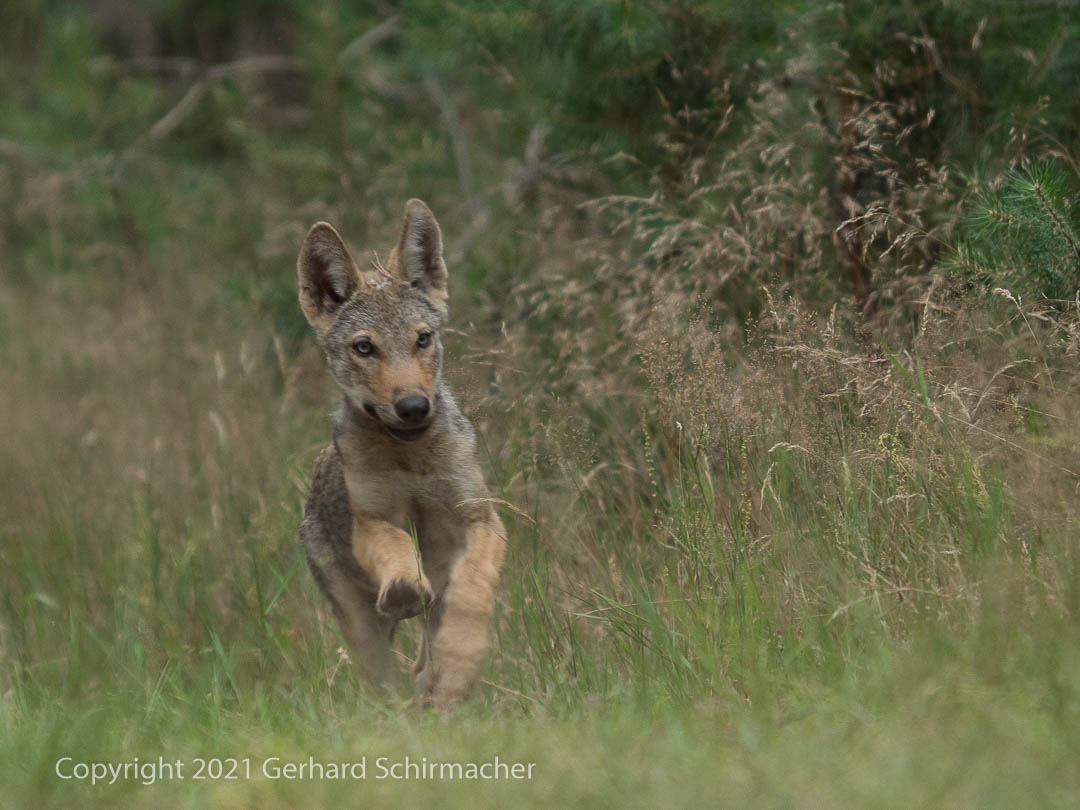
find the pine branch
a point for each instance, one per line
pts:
(1058, 221)
(1024, 236)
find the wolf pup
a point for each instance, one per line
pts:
(402, 464)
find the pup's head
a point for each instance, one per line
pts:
(379, 325)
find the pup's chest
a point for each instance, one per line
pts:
(409, 499)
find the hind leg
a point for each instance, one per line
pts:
(423, 669)
(366, 633)
(325, 535)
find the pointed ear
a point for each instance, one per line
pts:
(420, 252)
(326, 275)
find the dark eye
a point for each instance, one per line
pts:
(364, 347)
(424, 340)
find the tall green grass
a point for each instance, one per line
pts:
(831, 587)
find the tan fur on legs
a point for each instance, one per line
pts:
(461, 638)
(387, 554)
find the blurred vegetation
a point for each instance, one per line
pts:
(794, 501)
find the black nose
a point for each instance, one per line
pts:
(412, 410)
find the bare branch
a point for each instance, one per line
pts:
(369, 39)
(512, 187)
(269, 63)
(459, 141)
(177, 115)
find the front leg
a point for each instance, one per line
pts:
(387, 555)
(460, 632)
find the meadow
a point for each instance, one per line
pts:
(783, 421)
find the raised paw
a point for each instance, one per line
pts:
(403, 599)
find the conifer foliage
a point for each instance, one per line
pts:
(1025, 235)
